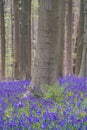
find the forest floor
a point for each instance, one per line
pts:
(64, 106)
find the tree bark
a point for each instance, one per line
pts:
(61, 37)
(25, 66)
(45, 65)
(2, 40)
(17, 36)
(28, 44)
(79, 41)
(68, 44)
(83, 68)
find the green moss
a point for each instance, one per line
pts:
(55, 92)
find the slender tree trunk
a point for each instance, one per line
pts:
(28, 43)
(34, 28)
(61, 37)
(12, 37)
(79, 42)
(45, 65)
(25, 66)
(76, 14)
(2, 40)
(68, 45)
(17, 42)
(83, 68)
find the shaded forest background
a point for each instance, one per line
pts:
(20, 25)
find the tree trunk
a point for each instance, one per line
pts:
(83, 68)
(28, 44)
(25, 66)
(2, 40)
(17, 42)
(61, 38)
(45, 65)
(68, 45)
(79, 41)
(12, 37)
(76, 14)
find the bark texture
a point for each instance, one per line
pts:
(80, 41)
(61, 37)
(2, 40)
(45, 65)
(25, 56)
(83, 68)
(17, 42)
(68, 45)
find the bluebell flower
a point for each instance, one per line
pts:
(44, 125)
(85, 119)
(61, 123)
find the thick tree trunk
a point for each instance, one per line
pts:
(45, 65)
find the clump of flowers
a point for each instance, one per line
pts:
(63, 107)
